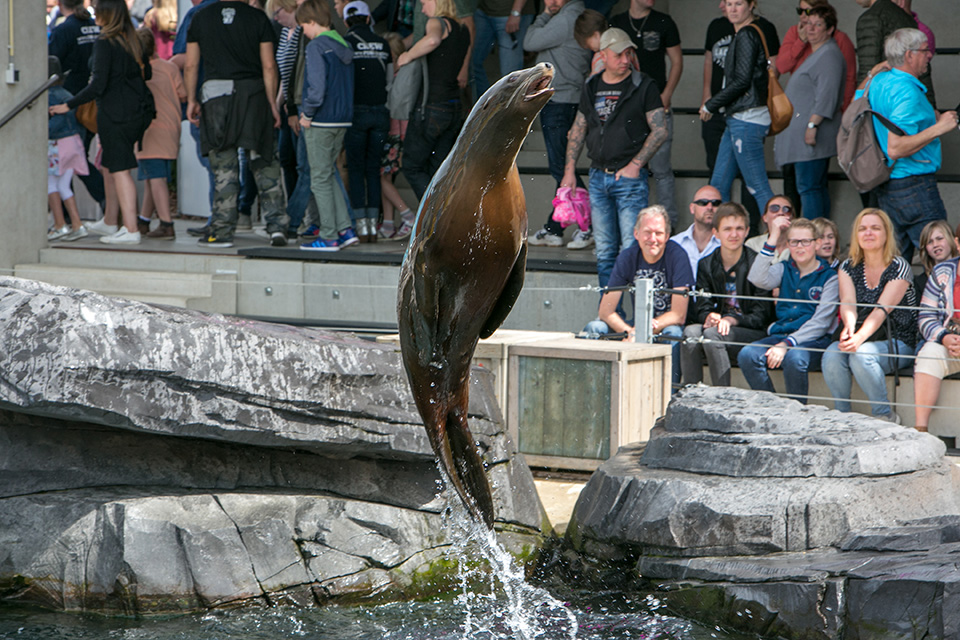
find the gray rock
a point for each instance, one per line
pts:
(157, 459)
(757, 513)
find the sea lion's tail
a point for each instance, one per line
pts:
(460, 459)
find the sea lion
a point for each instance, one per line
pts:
(464, 269)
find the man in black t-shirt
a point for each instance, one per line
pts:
(720, 34)
(620, 144)
(657, 38)
(235, 41)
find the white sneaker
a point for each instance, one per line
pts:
(544, 238)
(76, 235)
(56, 234)
(102, 228)
(244, 222)
(122, 237)
(581, 239)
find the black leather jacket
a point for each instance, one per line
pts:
(754, 314)
(744, 75)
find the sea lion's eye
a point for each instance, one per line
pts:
(512, 79)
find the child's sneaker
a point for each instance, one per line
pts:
(76, 234)
(581, 239)
(321, 245)
(313, 231)
(56, 234)
(544, 238)
(348, 237)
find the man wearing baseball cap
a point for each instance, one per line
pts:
(371, 120)
(622, 122)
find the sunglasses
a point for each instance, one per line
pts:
(776, 208)
(804, 12)
(702, 202)
(803, 242)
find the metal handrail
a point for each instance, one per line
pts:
(26, 102)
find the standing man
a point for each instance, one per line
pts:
(234, 108)
(910, 197)
(505, 23)
(698, 240)
(881, 18)
(657, 38)
(622, 122)
(551, 37)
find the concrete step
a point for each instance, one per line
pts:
(155, 287)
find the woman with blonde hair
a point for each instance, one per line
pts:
(877, 332)
(938, 242)
(434, 126)
(162, 22)
(125, 109)
(829, 240)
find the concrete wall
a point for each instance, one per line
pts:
(23, 146)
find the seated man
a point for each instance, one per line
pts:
(653, 256)
(699, 240)
(724, 317)
(806, 310)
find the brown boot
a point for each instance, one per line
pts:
(163, 232)
(143, 226)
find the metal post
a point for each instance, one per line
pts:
(643, 310)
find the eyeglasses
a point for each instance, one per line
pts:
(804, 12)
(776, 208)
(703, 202)
(803, 242)
(927, 50)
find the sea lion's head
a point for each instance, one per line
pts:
(508, 108)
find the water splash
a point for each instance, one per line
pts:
(509, 607)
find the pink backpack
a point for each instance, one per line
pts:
(574, 209)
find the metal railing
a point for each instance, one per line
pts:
(29, 100)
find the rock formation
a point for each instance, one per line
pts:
(758, 512)
(157, 459)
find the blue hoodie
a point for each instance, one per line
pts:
(328, 81)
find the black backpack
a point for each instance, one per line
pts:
(858, 151)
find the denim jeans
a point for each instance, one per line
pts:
(195, 134)
(911, 203)
(364, 144)
(248, 184)
(869, 365)
(796, 364)
(555, 122)
(741, 151)
(301, 198)
(662, 171)
(430, 137)
(510, 46)
(323, 147)
(716, 352)
(711, 132)
(600, 328)
(812, 185)
(614, 205)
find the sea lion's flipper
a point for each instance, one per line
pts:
(466, 469)
(511, 290)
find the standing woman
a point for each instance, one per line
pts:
(816, 93)
(434, 127)
(743, 100)
(123, 105)
(876, 338)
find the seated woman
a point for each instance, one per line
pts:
(877, 336)
(939, 324)
(938, 242)
(779, 206)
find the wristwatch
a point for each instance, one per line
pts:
(514, 13)
(811, 125)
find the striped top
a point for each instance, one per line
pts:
(287, 55)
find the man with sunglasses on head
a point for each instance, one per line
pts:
(806, 311)
(698, 239)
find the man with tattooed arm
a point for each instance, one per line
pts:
(622, 122)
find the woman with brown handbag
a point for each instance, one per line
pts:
(123, 105)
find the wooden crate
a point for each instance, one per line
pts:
(573, 403)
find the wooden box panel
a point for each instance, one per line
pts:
(573, 403)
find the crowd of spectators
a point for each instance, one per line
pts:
(275, 92)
